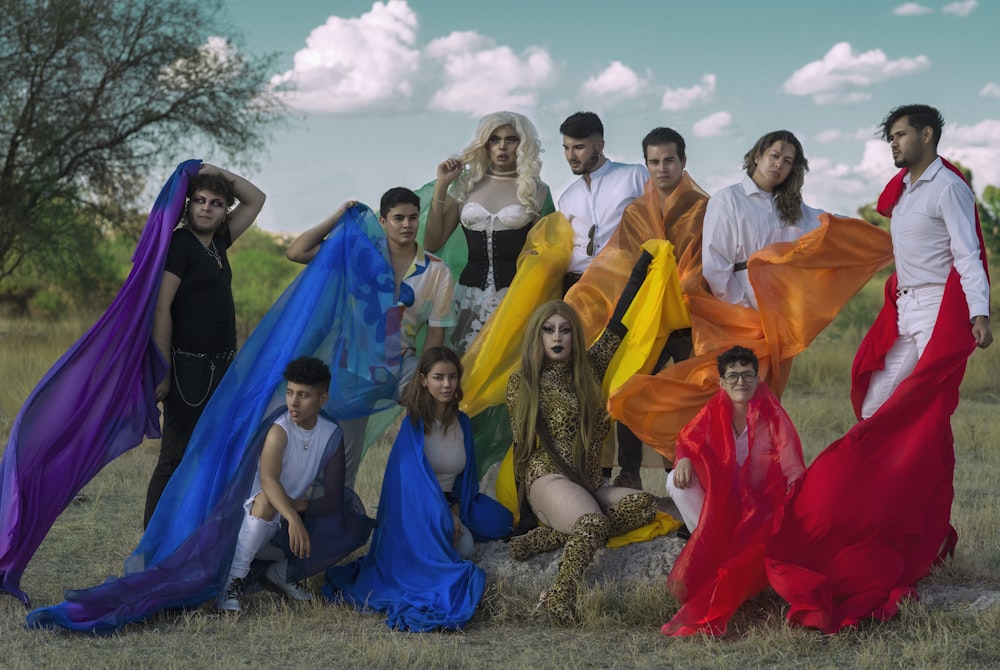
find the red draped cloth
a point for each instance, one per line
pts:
(870, 518)
(723, 563)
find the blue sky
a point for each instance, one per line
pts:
(387, 90)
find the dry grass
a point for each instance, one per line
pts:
(621, 624)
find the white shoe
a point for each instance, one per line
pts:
(275, 576)
(229, 597)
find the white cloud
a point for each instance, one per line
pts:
(911, 9)
(834, 78)
(373, 62)
(618, 80)
(835, 135)
(481, 77)
(977, 147)
(713, 125)
(960, 8)
(991, 90)
(351, 64)
(676, 99)
(852, 98)
(842, 187)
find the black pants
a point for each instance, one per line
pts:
(677, 347)
(194, 378)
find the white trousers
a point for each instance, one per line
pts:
(689, 501)
(917, 313)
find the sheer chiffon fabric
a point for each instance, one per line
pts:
(97, 401)
(411, 571)
(722, 564)
(341, 308)
(891, 477)
(801, 286)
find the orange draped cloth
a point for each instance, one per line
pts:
(678, 220)
(800, 287)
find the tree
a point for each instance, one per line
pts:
(95, 94)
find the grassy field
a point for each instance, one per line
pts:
(620, 626)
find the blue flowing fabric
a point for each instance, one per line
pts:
(93, 405)
(341, 308)
(412, 572)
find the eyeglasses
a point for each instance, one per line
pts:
(734, 378)
(590, 237)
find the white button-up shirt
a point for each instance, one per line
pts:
(933, 228)
(740, 220)
(599, 207)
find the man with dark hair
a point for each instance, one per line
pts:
(736, 461)
(672, 207)
(764, 208)
(424, 288)
(934, 229)
(194, 325)
(898, 461)
(594, 203)
(300, 447)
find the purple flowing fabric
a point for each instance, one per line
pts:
(93, 405)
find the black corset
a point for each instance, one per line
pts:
(507, 245)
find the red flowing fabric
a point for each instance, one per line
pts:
(723, 563)
(870, 518)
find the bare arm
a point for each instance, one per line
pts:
(442, 215)
(270, 481)
(434, 338)
(306, 246)
(251, 200)
(163, 326)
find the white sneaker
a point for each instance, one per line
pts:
(275, 576)
(229, 597)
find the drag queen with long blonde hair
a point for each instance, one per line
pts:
(495, 192)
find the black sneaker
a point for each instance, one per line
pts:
(229, 597)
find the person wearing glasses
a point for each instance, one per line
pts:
(495, 192)
(736, 461)
(595, 202)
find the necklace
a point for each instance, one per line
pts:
(506, 173)
(305, 436)
(212, 251)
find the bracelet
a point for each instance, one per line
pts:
(436, 200)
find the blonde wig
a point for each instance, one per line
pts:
(476, 159)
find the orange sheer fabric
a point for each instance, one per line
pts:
(800, 287)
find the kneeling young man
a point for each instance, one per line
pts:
(736, 462)
(298, 445)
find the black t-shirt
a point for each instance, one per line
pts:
(203, 313)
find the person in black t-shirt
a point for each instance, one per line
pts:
(195, 321)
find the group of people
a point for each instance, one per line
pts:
(736, 472)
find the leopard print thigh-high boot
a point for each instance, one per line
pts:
(590, 532)
(536, 541)
(633, 511)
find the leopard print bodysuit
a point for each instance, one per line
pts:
(560, 409)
